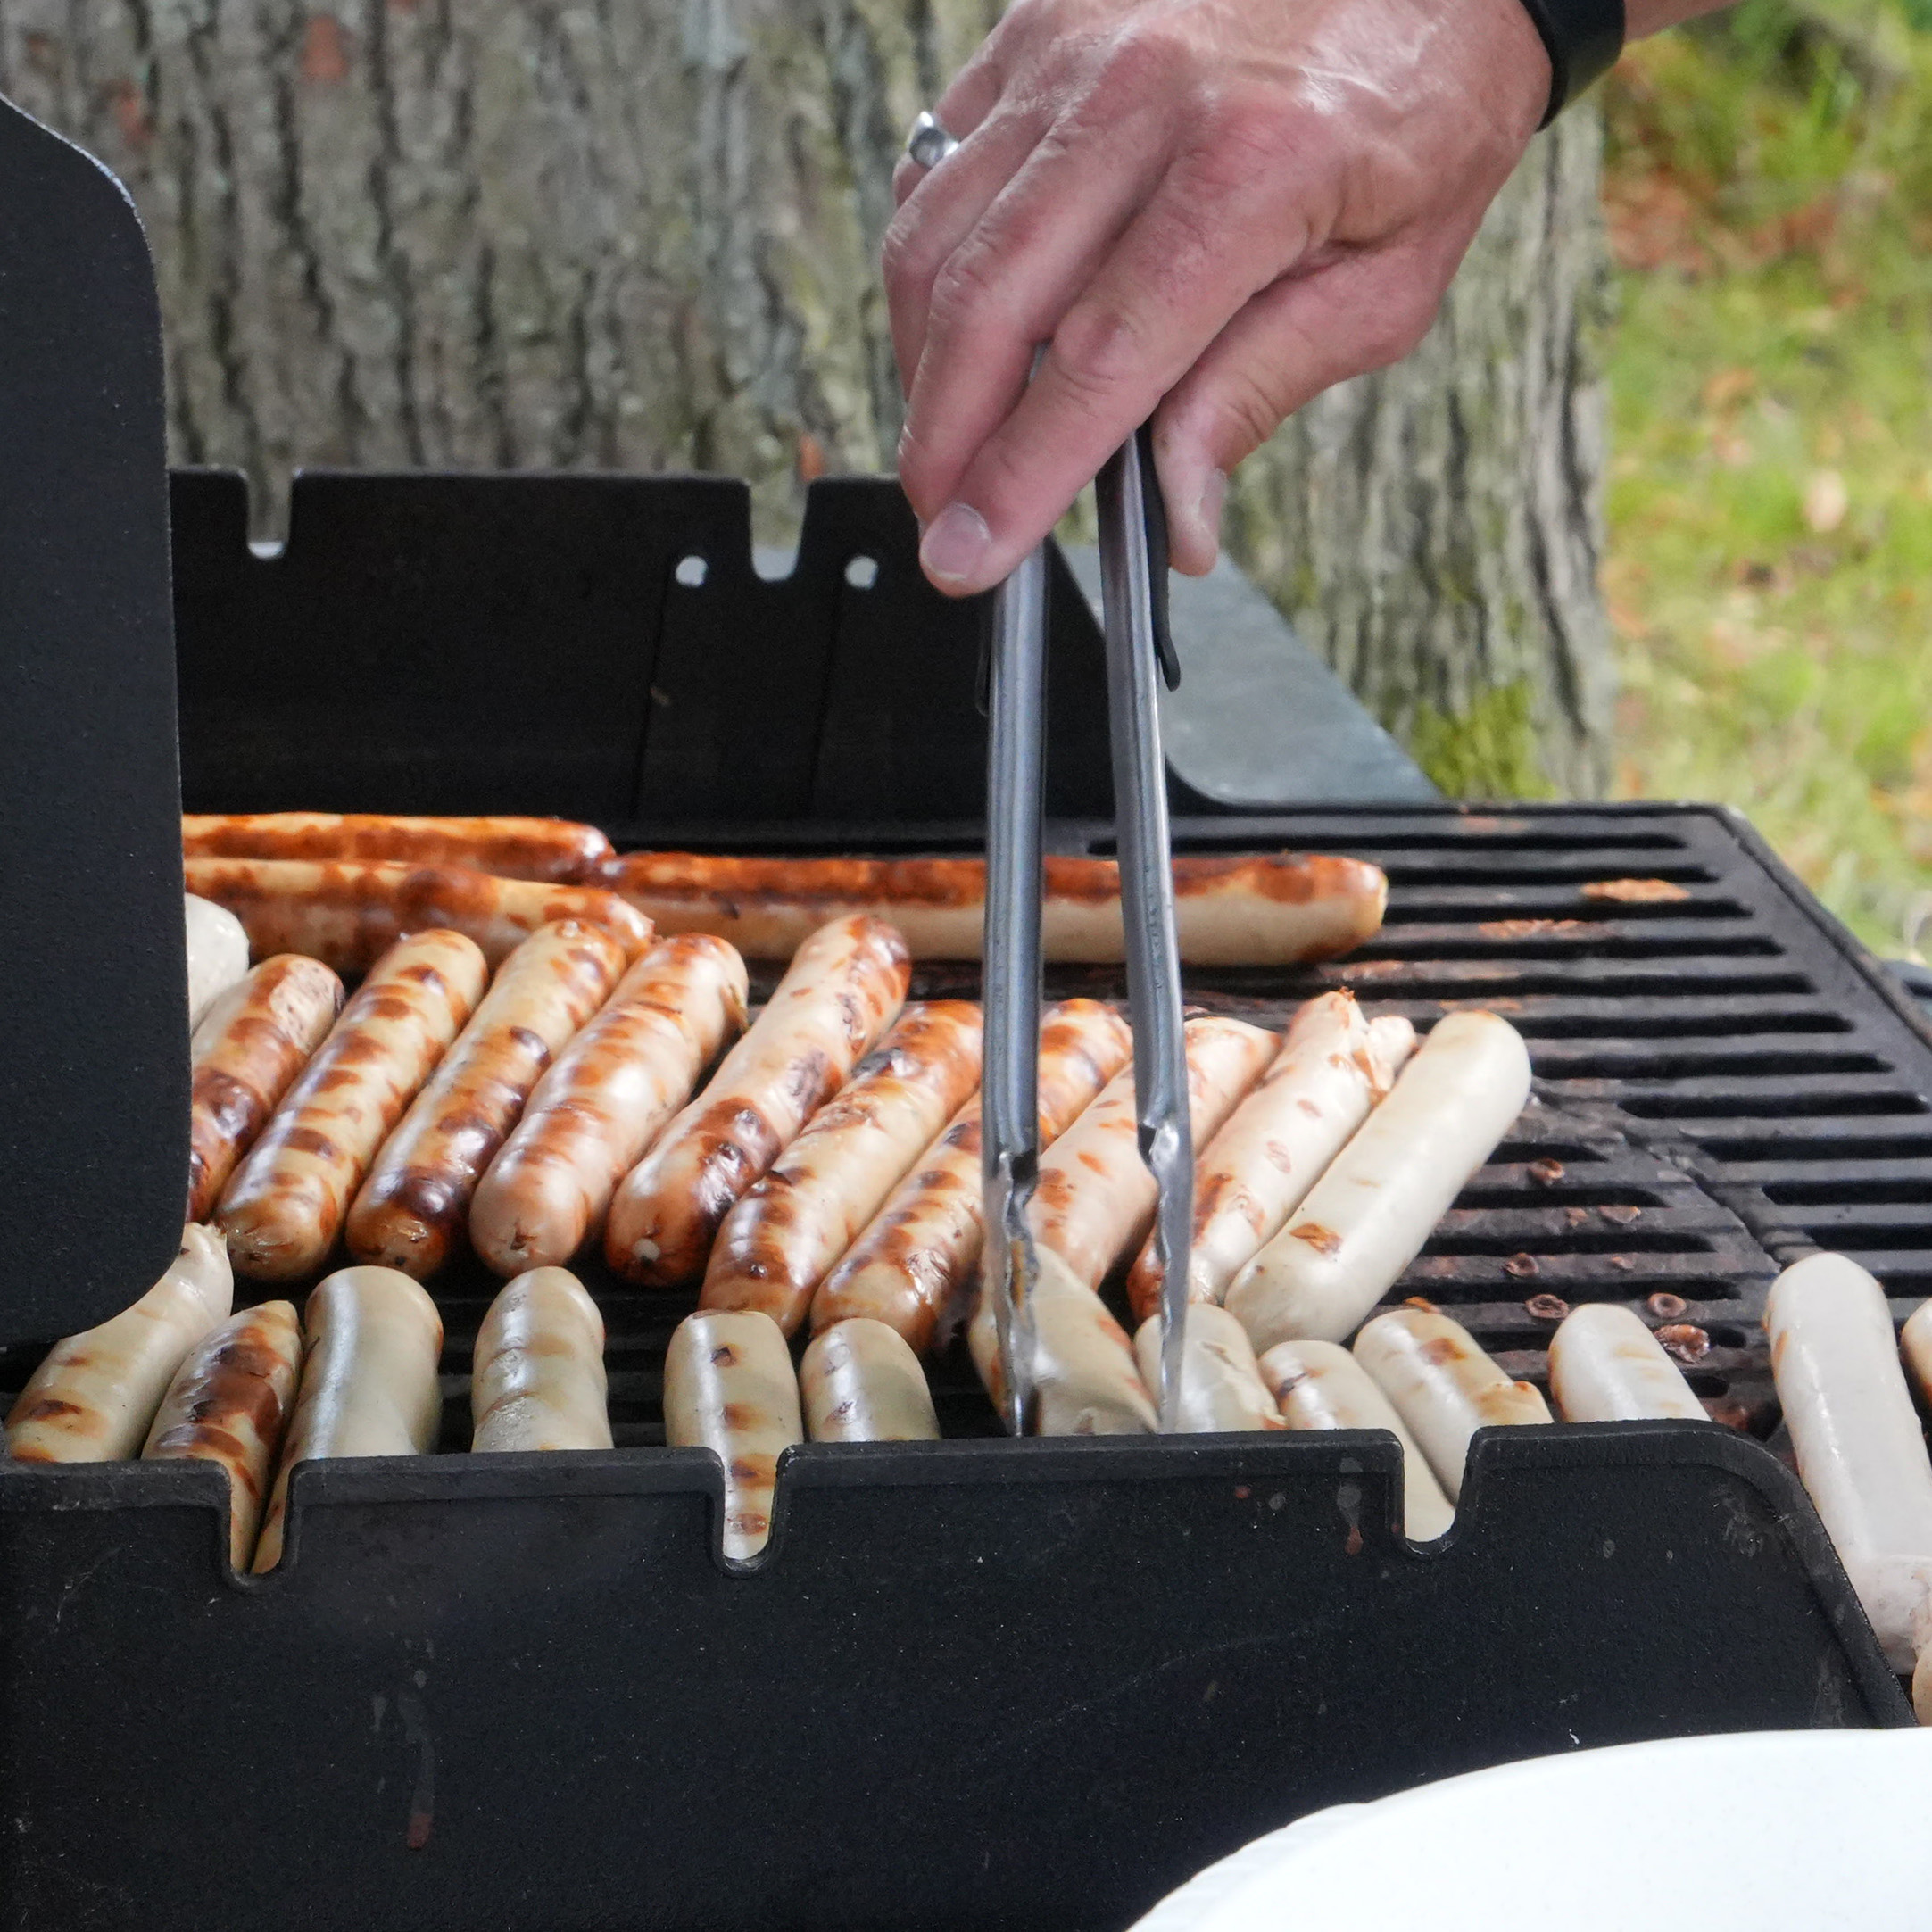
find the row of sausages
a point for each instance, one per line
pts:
(343, 887)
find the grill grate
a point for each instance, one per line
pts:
(1723, 1083)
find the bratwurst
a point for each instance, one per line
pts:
(553, 849)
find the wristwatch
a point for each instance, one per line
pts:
(1582, 37)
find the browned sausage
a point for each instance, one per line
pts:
(348, 914)
(1267, 909)
(549, 848)
(776, 1244)
(842, 991)
(229, 1404)
(918, 1260)
(413, 1210)
(251, 1043)
(599, 1107)
(284, 1206)
(1095, 1200)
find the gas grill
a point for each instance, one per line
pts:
(971, 1683)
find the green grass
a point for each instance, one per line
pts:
(1770, 573)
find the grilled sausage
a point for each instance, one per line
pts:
(372, 1338)
(1266, 911)
(861, 1383)
(1861, 1452)
(553, 849)
(1085, 1380)
(1606, 1366)
(843, 990)
(348, 913)
(592, 1116)
(284, 1206)
(1333, 1065)
(413, 1211)
(1320, 1385)
(217, 954)
(538, 1379)
(1096, 1198)
(1367, 1217)
(1915, 1345)
(1221, 1387)
(1443, 1386)
(916, 1262)
(776, 1245)
(229, 1404)
(728, 1388)
(93, 1397)
(250, 1044)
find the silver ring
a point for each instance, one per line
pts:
(928, 144)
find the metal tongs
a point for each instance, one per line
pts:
(1140, 647)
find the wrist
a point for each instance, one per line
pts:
(1582, 37)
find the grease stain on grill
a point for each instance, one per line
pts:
(1546, 1308)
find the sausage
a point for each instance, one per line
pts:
(284, 1206)
(229, 1404)
(1085, 1378)
(371, 1341)
(93, 1397)
(1606, 1366)
(594, 1115)
(553, 849)
(917, 1261)
(348, 913)
(1095, 1199)
(1320, 1385)
(1333, 1065)
(1221, 1388)
(1861, 1452)
(728, 1388)
(861, 1382)
(538, 1379)
(414, 1208)
(217, 954)
(1367, 1217)
(1915, 1343)
(1443, 1386)
(1267, 909)
(251, 1043)
(843, 990)
(776, 1245)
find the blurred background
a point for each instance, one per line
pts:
(1649, 513)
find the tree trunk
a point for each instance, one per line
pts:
(642, 234)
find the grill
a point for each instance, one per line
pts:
(971, 1682)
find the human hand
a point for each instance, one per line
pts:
(1207, 211)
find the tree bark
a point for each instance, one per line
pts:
(642, 234)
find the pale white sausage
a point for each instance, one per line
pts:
(228, 1404)
(729, 1387)
(93, 1397)
(1332, 1067)
(1367, 1217)
(1221, 1387)
(217, 954)
(1443, 1386)
(1085, 1380)
(1606, 1366)
(861, 1382)
(1320, 1385)
(537, 1378)
(1095, 1199)
(1861, 1452)
(372, 1338)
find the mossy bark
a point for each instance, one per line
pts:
(642, 234)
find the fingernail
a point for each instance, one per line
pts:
(956, 543)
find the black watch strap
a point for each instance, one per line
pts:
(1582, 37)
